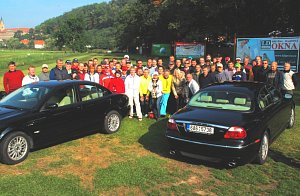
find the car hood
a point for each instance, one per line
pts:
(6, 113)
(213, 116)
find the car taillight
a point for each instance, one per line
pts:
(172, 124)
(235, 133)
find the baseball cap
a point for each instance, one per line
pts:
(155, 73)
(126, 56)
(68, 62)
(45, 66)
(237, 65)
(219, 65)
(238, 59)
(124, 68)
(227, 58)
(75, 60)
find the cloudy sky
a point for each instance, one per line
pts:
(29, 13)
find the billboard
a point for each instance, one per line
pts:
(189, 49)
(280, 49)
(161, 50)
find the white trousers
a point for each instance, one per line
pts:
(136, 101)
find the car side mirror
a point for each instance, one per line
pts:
(288, 96)
(51, 106)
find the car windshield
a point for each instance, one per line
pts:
(24, 98)
(221, 100)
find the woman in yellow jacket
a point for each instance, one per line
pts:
(166, 80)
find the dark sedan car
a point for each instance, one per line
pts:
(233, 122)
(45, 113)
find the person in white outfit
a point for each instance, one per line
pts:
(132, 86)
(91, 75)
(31, 77)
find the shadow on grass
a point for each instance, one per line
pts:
(279, 157)
(155, 141)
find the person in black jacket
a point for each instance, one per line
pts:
(274, 76)
(59, 72)
(263, 71)
(206, 78)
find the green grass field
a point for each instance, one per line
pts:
(135, 161)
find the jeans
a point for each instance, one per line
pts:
(164, 103)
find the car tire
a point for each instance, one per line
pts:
(292, 119)
(14, 148)
(112, 122)
(263, 149)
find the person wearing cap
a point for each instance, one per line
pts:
(75, 64)
(116, 84)
(92, 75)
(238, 60)
(227, 60)
(59, 72)
(132, 86)
(44, 75)
(221, 75)
(166, 80)
(155, 89)
(126, 56)
(72, 73)
(144, 92)
(31, 77)
(124, 73)
(239, 75)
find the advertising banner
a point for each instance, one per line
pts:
(279, 49)
(161, 50)
(186, 49)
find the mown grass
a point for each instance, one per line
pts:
(135, 161)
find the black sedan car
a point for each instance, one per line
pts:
(233, 122)
(45, 113)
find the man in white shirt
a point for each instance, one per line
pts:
(191, 88)
(132, 86)
(31, 77)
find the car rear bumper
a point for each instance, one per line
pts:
(194, 148)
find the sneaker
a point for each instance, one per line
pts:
(140, 119)
(130, 116)
(146, 115)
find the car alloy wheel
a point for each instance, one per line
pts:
(113, 122)
(17, 148)
(292, 118)
(264, 147)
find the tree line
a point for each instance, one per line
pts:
(126, 24)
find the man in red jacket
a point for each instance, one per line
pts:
(106, 76)
(12, 79)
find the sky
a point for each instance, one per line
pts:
(30, 13)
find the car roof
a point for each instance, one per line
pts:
(58, 83)
(247, 87)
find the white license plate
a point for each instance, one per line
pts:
(200, 129)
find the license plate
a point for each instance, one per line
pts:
(200, 129)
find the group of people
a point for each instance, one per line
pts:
(155, 86)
